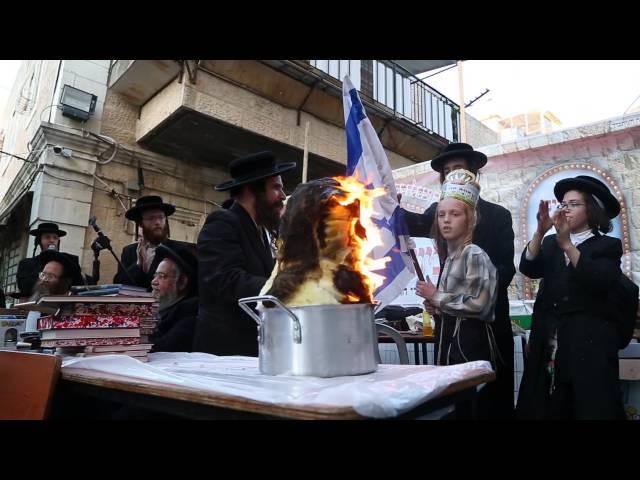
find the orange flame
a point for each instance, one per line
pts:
(363, 246)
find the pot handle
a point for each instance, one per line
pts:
(297, 330)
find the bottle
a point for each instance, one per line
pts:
(427, 328)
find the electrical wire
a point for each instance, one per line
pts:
(47, 108)
(112, 191)
(108, 140)
(625, 112)
(16, 156)
(443, 70)
(27, 186)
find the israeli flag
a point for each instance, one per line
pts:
(367, 161)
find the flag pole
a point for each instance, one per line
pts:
(463, 123)
(305, 157)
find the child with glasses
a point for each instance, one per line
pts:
(572, 362)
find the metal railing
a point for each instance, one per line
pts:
(405, 94)
(412, 98)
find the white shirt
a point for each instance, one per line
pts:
(575, 238)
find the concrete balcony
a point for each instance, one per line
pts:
(213, 111)
(139, 80)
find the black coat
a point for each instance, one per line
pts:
(233, 263)
(28, 271)
(174, 331)
(129, 259)
(494, 234)
(573, 301)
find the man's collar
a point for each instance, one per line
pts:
(238, 205)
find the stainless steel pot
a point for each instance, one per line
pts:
(315, 340)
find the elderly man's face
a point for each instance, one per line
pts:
(167, 285)
(51, 274)
(51, 281)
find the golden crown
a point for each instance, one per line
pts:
(461, 184)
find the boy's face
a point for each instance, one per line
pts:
(452, 219)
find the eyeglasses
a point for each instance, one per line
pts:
(46, 276)
(162, 276)
(570, 205)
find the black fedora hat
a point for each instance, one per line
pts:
(71, 267)
(595, 187)
(476, 159)
(147, 203)
(47, 227)
(186, 260)
(253, 167)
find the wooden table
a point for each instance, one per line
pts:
(204, 404)
(415, 338)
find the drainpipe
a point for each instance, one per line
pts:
(55, 88)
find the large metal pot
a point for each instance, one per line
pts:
(315, 340)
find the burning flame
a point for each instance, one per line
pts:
(364, 235)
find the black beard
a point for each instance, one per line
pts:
(268, 214)
(154, 237)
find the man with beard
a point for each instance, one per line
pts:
(175, 285)
(59, 272)
(138, 259)
(236, 254)
(47, 237)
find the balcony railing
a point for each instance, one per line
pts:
(399, 90)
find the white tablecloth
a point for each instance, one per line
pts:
(388, 392)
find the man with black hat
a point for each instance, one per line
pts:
(494, 234)
(59, 271)
(175, 286)
(138, 259)
(235, 254)
(47, 237)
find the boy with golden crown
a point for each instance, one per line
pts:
(466, 294)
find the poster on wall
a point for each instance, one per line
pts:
(417, 199)
(429, 263)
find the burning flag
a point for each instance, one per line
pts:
(368, 163)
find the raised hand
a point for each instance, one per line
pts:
(544, 220)
(562, 228)
(142, 253)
